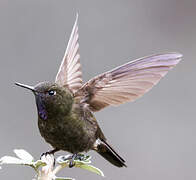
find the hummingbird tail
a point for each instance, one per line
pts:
(107, 152)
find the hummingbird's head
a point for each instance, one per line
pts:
(51, 99)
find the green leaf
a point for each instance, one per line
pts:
(82, 157)
(87, 158)
(38, 164)
(90, 168)
(24, 155)
(10, 160)
(63, 159)
(82, 162)
(63, 178)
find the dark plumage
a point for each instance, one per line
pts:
(65, 107)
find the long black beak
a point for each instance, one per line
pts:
(25, 86)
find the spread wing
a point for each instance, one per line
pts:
(69, 73)
(127, 82)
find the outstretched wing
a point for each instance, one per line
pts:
(127, 82)
(70, 74)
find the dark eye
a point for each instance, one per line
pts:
(52, 92)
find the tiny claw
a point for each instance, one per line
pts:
(43, 154)
(67, 158)
(71, 163)
(49, 152)
(80, 157)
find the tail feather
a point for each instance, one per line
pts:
(107, 152)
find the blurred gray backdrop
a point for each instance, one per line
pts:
(157, 133)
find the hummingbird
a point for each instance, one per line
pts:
(66, 106)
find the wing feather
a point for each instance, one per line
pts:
(127, 82)
(70, 74)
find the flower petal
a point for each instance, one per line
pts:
(24, 155)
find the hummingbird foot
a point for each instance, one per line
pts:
(71, 162)
(74, 157)
(80, 157)
(49, 153)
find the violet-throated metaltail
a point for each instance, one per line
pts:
(66, 107)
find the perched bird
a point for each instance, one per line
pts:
(65, 108)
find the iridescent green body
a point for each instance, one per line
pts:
(66, 122)
(70, 125)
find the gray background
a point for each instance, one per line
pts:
(157, 133)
